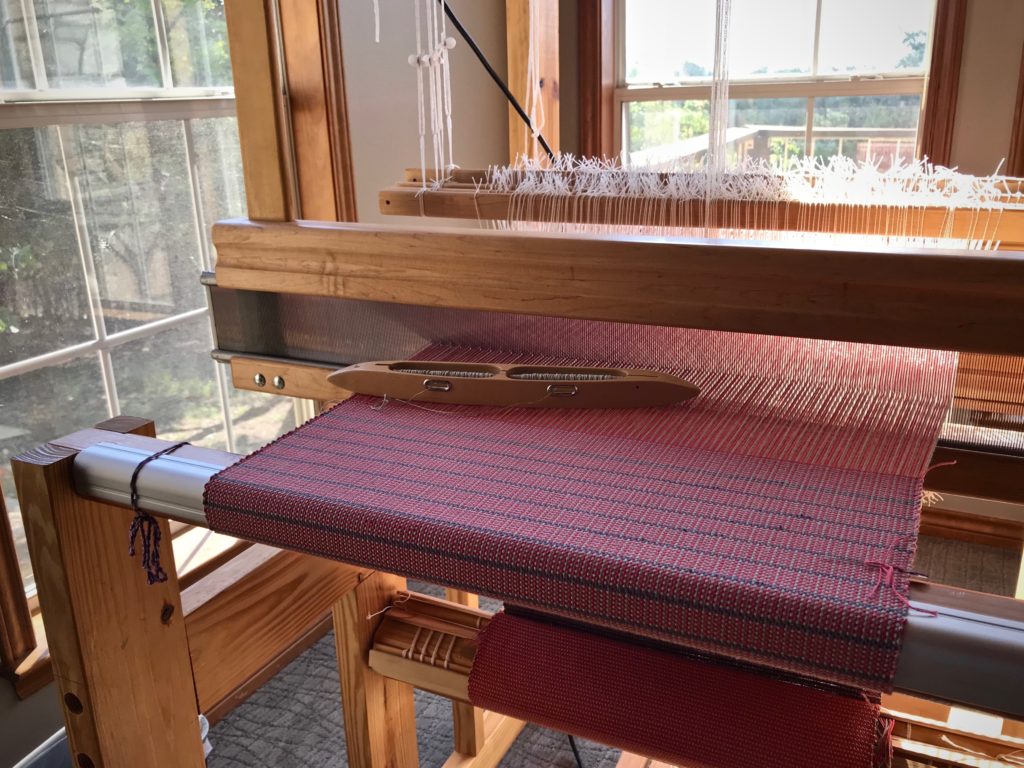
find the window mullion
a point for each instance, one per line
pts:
(817, 39)
(82, 236)
(195, 192)
(163, 48)
(809, 128)
(91, 281)
(778, 89)
(224, 396)
(35, 46)
(67, 354)
(109, 384)
(198, 217)
(39, 114)
(619, 43)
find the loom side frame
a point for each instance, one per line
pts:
(116, 641)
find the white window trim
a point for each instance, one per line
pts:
(101, 94)
(40, 114)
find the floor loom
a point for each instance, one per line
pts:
(283, 302)
(290, 300)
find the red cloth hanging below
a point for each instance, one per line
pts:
(675, 708)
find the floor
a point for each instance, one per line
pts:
(295, 719)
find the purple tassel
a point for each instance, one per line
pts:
(146, 526)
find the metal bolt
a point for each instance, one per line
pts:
(279, 382)
(260, 379)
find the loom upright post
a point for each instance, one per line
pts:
(380, 717)
(136, 706)
(467, 720)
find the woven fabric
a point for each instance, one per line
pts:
(667, 706)
(770, 520)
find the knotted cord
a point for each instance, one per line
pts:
(144, 525)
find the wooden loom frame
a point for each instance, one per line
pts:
(96, 598)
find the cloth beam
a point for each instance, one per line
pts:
(771, 520)
(682, 710)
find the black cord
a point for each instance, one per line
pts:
(575, 751)
(495, 76)
(144, 526)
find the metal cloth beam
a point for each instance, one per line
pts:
(971, 653)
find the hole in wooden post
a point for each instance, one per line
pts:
(166, 613)
(84, 761)
(387, 202)
(73, 703)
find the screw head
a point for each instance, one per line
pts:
(279, 382)
(260, 380)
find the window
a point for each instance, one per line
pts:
(807, 77)
(118, 149)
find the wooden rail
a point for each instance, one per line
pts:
(966, 301)
(455, 202)
(467, 194)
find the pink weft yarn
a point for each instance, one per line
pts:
(741, 524)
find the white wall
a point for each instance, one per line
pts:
(988, 84)
(381, 91)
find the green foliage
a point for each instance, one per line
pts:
(689, 69)
(114, 42)
(867, 111)
(41, 291)
(657, 123)
(133, 20)
(199, 29)
(917, 42)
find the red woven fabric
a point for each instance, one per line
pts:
(757, 522)
(666, 706)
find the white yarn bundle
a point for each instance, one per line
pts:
(433, 85)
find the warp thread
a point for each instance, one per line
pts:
(934, 498)
(403, 597)
(883, 747)
(144, 525)
(887, 578)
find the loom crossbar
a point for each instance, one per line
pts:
(473, 194)
(934, 299)
(969, 654)
(467, 202)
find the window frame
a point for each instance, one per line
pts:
(60, 115)
(62, 108)
(43, 92)
(604, 92)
